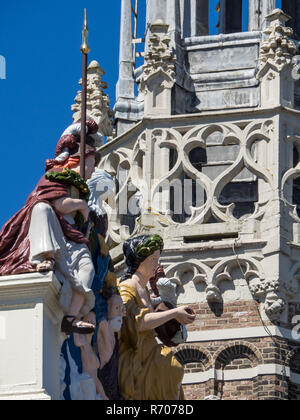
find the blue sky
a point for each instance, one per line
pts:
(40, 41)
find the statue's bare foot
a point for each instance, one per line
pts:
(45, 266)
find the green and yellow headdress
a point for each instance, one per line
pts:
(137, 250)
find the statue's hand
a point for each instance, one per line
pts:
(185, 315)
(84, 210)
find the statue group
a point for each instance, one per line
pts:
(110, 327)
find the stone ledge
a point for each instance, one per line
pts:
(239, 333)
(238, 374)
(30, 279)
(28, 396)
(221, 39)
(30, 339)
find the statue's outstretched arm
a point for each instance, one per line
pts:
(156, 319)
(67, 205)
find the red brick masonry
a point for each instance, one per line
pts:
(247, 353)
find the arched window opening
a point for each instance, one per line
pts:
(193, 360)
(233, 356)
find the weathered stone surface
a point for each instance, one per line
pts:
(224, 99)
(222, 58)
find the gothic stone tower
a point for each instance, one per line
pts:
(207, 155)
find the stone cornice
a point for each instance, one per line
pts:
(149, 122)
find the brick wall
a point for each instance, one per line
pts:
(238, 314)
(264, 387)
(235, 355)
(294, 391)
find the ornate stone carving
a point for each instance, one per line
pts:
(265, 291)
(159, 55)
(276, 65)
(213, 294)
(290, 175)
(274, 306)
(268, 292)
(158, 76)
(278, 49)
(249, 269)
(97, 103)
(198, 137)
(153, 149)
(157, 159)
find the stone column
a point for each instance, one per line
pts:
(159, 72)
(254, 15)
(126, 109)
(125, 85)
(173, 20)
(267, 7)
(275, 64)
(186, 18)
(156, 10)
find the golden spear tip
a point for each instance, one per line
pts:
(85, 49)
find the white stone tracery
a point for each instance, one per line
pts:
(135, 159)
(212, 244)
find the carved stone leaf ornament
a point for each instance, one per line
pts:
(277, 50)
(158, 76)
(264, 291)
(159, 56)
(97, 103)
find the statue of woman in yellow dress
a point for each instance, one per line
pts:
(147, 370)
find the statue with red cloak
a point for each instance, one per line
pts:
(62, 228)
(44, 234)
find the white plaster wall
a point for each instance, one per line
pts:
(29, 337)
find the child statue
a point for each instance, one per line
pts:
(107, 340)
(44, 236)
(90, 361)
(96, 356)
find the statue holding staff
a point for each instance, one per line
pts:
(44, 236)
